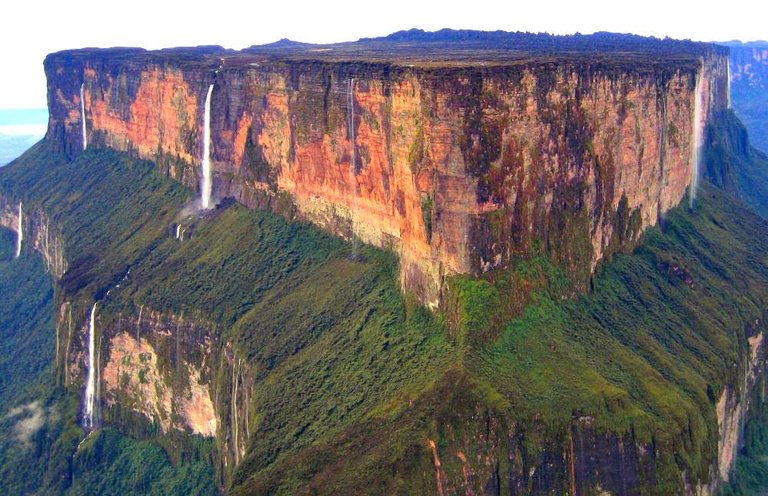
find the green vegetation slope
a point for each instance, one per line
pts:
(358, 389)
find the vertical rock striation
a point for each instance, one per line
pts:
(458, 167)
(161, 366)
(40, 234)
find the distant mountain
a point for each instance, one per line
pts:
(538, 42)
(749, 88)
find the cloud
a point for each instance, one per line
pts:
(23, 129)
(33, 419)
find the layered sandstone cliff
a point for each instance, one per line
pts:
(38, 232)
(459, 165)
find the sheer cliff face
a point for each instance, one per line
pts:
(457, 169)
(158, 365)
(40, 234)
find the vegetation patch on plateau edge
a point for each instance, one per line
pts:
(40, 421)
(353, 380)
(645, 355)
(277, 288)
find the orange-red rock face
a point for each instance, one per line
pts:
(162, 115)
(158, 365)
(457, 170)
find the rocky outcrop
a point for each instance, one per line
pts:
(162, 367)
(170, 371)
(734, 405)
(234, 399)
(458, 166)
(486, 452)
(580, 461)
(39, 233)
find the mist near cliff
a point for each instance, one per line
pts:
(19, 130)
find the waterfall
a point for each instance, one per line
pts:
(697, 138)
(20, 232)
(178, 230)
(90, 388)
(82, 115)
(207, 186)
(351, 117)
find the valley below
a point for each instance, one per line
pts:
(430, 263)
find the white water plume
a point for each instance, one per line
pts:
(206, 188)
(82, 115)
(20, 231)
(90, 388)
(697, 139)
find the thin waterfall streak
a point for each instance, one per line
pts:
(698, 132)
(90, 388)
(82, 116)
(206, 188)
(351, 113)
(247, 412)
(20, 231)
(47, 249)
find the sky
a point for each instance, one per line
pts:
(30, 29)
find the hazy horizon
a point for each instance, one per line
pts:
(20, 129)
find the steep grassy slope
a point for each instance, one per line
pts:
(328, 338)
(26, 322)
(26, 361)
(39, 431)
(737, 167)
(358, 389)
(112, 210)
(276, 288)
(644, 352)
(40, 451)
(645, 356)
